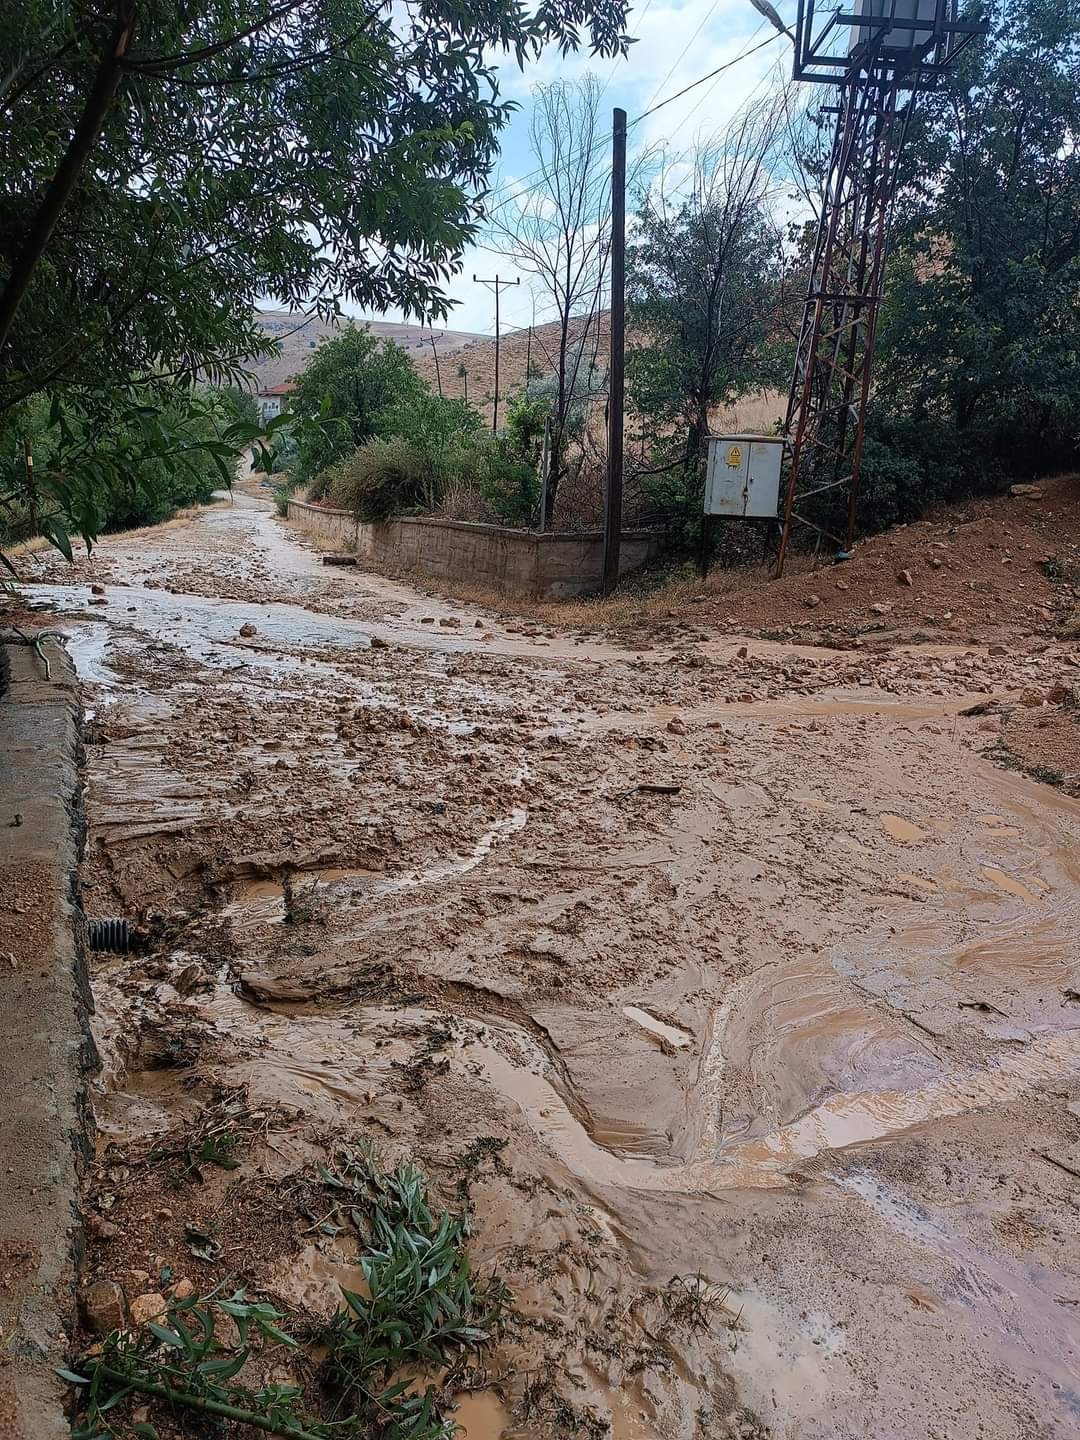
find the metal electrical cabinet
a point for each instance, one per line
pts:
(742, 476)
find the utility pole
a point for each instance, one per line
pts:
(438, 372)
(497, 284)
(613, 491)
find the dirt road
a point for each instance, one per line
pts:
(715, 958)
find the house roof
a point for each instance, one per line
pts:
(286, 388)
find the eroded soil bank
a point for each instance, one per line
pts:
(700, 955)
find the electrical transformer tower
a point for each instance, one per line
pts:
(878, 54)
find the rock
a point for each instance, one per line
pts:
(998, 650)
(904, 577)
(812, 601)
(478, 624)
(99, 600)
(182, 1289)
(842, 585)
(102, 1305)
(451, 622)
(1031, 698)
(378, 643)
(102, 1229)
(97, 589)
(677, 726)
(1026, 492)
(741, 653)
(880, 608)
(934, 562)
(191, 977)
(247, 630)
(427, 619)
(1059, 694)
(150, 1306)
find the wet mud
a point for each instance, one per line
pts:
(712, 960)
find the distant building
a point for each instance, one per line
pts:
(274, 400)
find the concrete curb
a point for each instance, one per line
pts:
(46, 1053)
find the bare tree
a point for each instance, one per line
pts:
(558, 233)
(703, 266)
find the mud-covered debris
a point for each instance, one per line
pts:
(677, 726)
(97, 589)
(935, 562)
(879, 607)
(904, 577)
(1025, 492)
(339, 559)
(248, 629)
(378, 643)
(103, 1307)
(812, 601)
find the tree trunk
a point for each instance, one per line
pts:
(95, 112)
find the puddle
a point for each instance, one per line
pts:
(1010, 884)
(903, 830)
(675, 1037)
(480, 1416)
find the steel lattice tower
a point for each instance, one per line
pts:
(879, 56)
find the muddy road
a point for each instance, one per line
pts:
(713, 966)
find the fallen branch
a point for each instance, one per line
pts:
(208, 1406)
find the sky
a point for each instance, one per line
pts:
(677, 42)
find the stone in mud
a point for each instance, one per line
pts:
(812, 601)
(97, 589)
(103, 1307)
(677, 726)
(880, 608)
(247, 630)
(1025, 492)
(904, 577)
(934, 562)
(842, 585)
(378, 643)
(150, 1306)
(183, 1289)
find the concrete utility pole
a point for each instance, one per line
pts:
(613, 491)
(496, 284)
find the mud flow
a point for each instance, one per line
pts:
(731, 986)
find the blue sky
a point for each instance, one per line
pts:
(678, 41)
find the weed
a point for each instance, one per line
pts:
(1055, 567)
(424, 1313)
(182, 1363)
(692, 1302)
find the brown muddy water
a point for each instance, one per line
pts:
(750, 967)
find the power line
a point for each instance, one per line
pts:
(711, 75)
(682, 54)
(601, 144)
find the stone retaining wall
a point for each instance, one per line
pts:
(516, 562)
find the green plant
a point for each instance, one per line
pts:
(425, 1313)
(424, 1310)
(381, 479)
(183, 1363)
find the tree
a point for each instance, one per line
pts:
(164, 166)
(702, 273)
(341, 399)
(558, 232)
(978, 349)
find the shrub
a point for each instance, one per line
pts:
(381, 479)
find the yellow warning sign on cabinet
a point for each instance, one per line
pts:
(734, 457)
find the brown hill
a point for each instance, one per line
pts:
(298, 336)
(472, 365)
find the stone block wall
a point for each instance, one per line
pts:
(515, 562)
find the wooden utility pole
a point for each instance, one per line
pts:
(496, 284)
(613, 491)
(438, 372)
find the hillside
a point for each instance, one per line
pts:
(298, 336)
